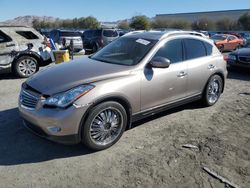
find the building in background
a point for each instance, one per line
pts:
(213, 15)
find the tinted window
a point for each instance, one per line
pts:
(172, 50)
(231, 38)
(110, 33)
(4, 37)
(194, 48)
(218, 37)
(97, 33)
(27, 34)
(209, 48)
(70, 34)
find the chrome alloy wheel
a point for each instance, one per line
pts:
(213, 91)
(27, 67)
(106, 126)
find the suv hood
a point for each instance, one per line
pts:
(65, 76)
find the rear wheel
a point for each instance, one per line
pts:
(25, 66)
(213, 90)
(104, 126)
(95, 48)
(221, 48)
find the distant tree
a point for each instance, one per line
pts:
(244, 21)
(140, 23)
(203, 24)
(226, 24)
(180, 24)
(36, 24)
(88, 23)
(123, 25)
(159, 23)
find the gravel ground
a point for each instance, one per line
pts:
(148, 155)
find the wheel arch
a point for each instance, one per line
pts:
(219, 74)
(119, 99)
(30, 54)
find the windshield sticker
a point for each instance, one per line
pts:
(142, 41)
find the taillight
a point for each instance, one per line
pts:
(225, 57)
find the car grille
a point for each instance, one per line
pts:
(28, 100)
(245, 59)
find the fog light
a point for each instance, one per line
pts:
(54, 129)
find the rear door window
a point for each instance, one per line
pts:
(110, 33)
(4, 37)
(27, 34)
(194, 49)
(172, 50)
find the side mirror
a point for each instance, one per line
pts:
(160, 62)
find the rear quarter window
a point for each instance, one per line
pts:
(110, 33)
(27, 34)
(194, 49)
(4, 37)
(209, 48)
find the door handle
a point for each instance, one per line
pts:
(10, 45)
(181, 74)
(210, 66)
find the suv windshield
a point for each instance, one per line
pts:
(125, 51)
(110, 33)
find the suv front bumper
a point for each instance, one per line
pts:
(59, 125)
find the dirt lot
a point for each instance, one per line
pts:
(148, 155)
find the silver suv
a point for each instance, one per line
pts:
(94, 99)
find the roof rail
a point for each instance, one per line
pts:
(180, 32)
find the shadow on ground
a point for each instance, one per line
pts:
(239, 74)
(19, 146)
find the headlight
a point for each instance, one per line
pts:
(68, 97)
(232, 57)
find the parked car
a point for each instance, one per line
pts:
(226, 42)
(246, 37)
(65, 36)
(133, 77)
(95, 39)
(239, 58)
(22, 51)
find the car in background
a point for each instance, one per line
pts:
(226, 42)
(239, 58)
(64, 37)
(22, 50)
(131, 78)
(95, 39)
(246, 37)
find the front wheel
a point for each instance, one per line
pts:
(104, 126)
(25, 66)
(213, 90)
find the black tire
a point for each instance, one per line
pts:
(88, 139)
(94, 48)
(34, 67)
(212, 89)
(221, 48)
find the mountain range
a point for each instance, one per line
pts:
(27, 20)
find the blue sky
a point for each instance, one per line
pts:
(112, 10)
